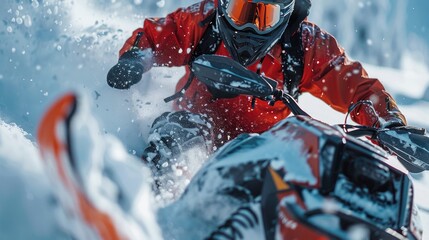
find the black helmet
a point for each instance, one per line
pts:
(250, 28)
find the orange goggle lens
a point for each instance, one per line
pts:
(262, 15)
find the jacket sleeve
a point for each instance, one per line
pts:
(341, 83)
(173, 38)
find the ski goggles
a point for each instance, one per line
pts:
(257, 14)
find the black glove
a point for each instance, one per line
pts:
(129, 69)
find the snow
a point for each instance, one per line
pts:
(24, 188)
(372, 30)
(50, 47)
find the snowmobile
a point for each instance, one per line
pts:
(302, 179)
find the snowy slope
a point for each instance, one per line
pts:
(52, 47)
(25, 191)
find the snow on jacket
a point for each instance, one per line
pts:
(328, 75)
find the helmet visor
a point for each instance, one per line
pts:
(259, 15)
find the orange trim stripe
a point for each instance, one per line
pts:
(278, 181)
(49, 142)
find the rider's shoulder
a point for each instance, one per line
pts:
(200, 9)
(311, 31)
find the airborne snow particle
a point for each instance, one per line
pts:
(178, 172)
(19, 20)
(369, 42)
(27, 21)
(374, 99)
(330, 206)
(35, 3)
(358, 232)
(138, 2)
(160, 3)
(9, 29)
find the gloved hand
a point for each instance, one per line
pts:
(129, 69)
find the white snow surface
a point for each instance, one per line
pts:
(50, 47)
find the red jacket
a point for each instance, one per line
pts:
(328, 75)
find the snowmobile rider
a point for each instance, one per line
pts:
(270, 37)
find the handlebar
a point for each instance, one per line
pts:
(223, 74)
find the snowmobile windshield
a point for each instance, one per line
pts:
(259, 15)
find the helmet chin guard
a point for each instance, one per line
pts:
(245, 30)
